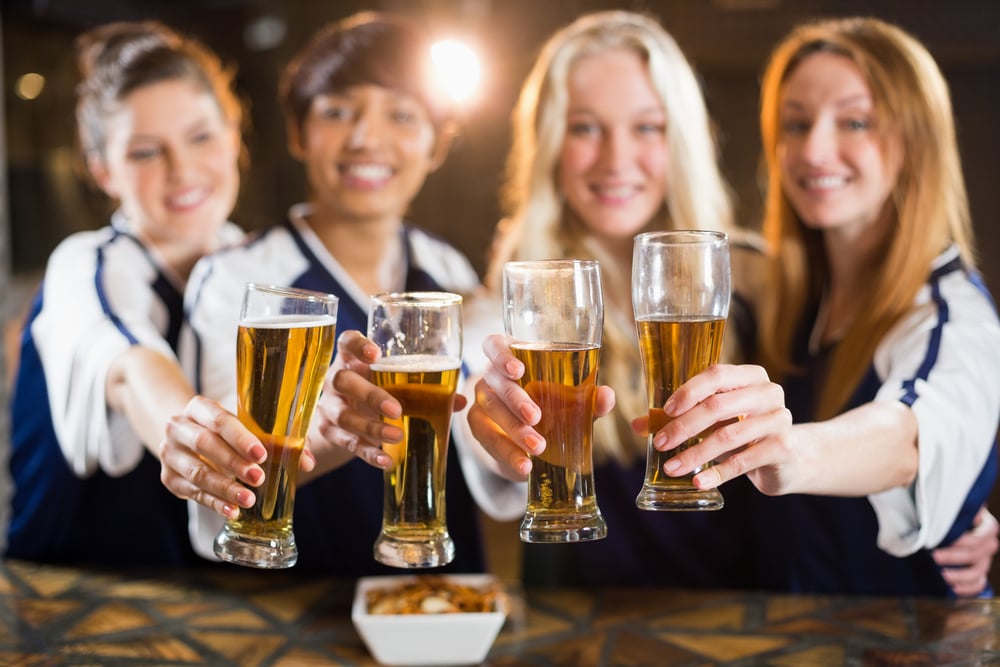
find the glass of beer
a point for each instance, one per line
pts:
(554, 313)
(420, 336)
(283, 349)
(680, 296)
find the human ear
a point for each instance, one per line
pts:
(294, 143)
(98, 169)
(442, 144)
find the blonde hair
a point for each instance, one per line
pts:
(538, 225)
(930, 208)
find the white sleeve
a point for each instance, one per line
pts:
(946, 364)
(78, 340)
(212, 302)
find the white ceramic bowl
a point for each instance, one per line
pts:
(461, 638)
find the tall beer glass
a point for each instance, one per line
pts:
(283, 348)
(420, 335)
(680, 295)
(554, 312)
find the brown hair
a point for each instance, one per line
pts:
(118, 58)
(366, 48)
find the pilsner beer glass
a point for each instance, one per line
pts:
(420, 336)
(283, 348)
(680, 296)
(554, 313)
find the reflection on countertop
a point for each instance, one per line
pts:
(232, 616)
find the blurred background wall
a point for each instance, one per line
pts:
(42, 199)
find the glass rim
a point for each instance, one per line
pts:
(424, 298)
(684, 236)
(554, 263)
(297, 292)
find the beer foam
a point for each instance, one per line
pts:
(417, 363)
(289, 321)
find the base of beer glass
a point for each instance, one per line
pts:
(261, 552)
(660, 499)
(399, 551)
(549, 527)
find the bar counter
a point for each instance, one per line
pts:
(233, 616)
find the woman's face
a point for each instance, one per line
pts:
(613, 167)
(834, 169)
(171, 160)
(367, 152)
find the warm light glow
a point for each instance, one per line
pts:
(30, 86)
(456, 68)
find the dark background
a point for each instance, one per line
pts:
(727, 41)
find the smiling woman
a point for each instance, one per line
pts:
(99, 374)
(369, 126)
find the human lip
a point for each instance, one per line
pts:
(823, 182)
(187, 199)
(366, 173)
(614, 193)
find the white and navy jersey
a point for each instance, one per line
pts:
(80, 473)
(338, 516)
(943, 362)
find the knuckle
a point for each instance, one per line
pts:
(197, 474)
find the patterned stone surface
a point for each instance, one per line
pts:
(231, 616)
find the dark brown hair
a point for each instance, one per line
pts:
(367, 48)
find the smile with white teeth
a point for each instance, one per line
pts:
(188, 198)
(825, 182)
(368, 172)
(614, 192)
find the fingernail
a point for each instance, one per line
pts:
(668, 407)
(529, 414)
(255, 476)
(513, 368)
(230, 511)
(524, 467)
(659, 442)
(535, 443)
(258, 453)
(245, 499)
(383, 460)
(672, 465)
(391, 409)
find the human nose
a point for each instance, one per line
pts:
(365, 131)
(179, 162)
(616, 150)
(819, 143)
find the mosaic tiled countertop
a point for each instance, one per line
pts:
(231, 616)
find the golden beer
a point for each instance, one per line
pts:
(280, 365)
(413, 511)
(672, 352)
(562, 380)
(414, 491)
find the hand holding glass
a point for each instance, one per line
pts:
(554, 311)
(680, 295)
(420, 336)
(283, 349)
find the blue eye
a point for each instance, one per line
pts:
(404, 116)
(857, 124)
(202, 138)
(657, 129)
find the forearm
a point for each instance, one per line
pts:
(147, 387)
(863, 451)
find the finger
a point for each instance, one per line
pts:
(744, 404)
(189, 476)
(965, 582)
(497, 350)
(714, 379)
(512, 396)
(227, 426)
(514, 463)
(369, 451)
(353, 346)
(498, 412)
(604, 401)
(355, 390)
(211, 448)
(739, 459)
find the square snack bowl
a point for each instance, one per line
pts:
(461, 638)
